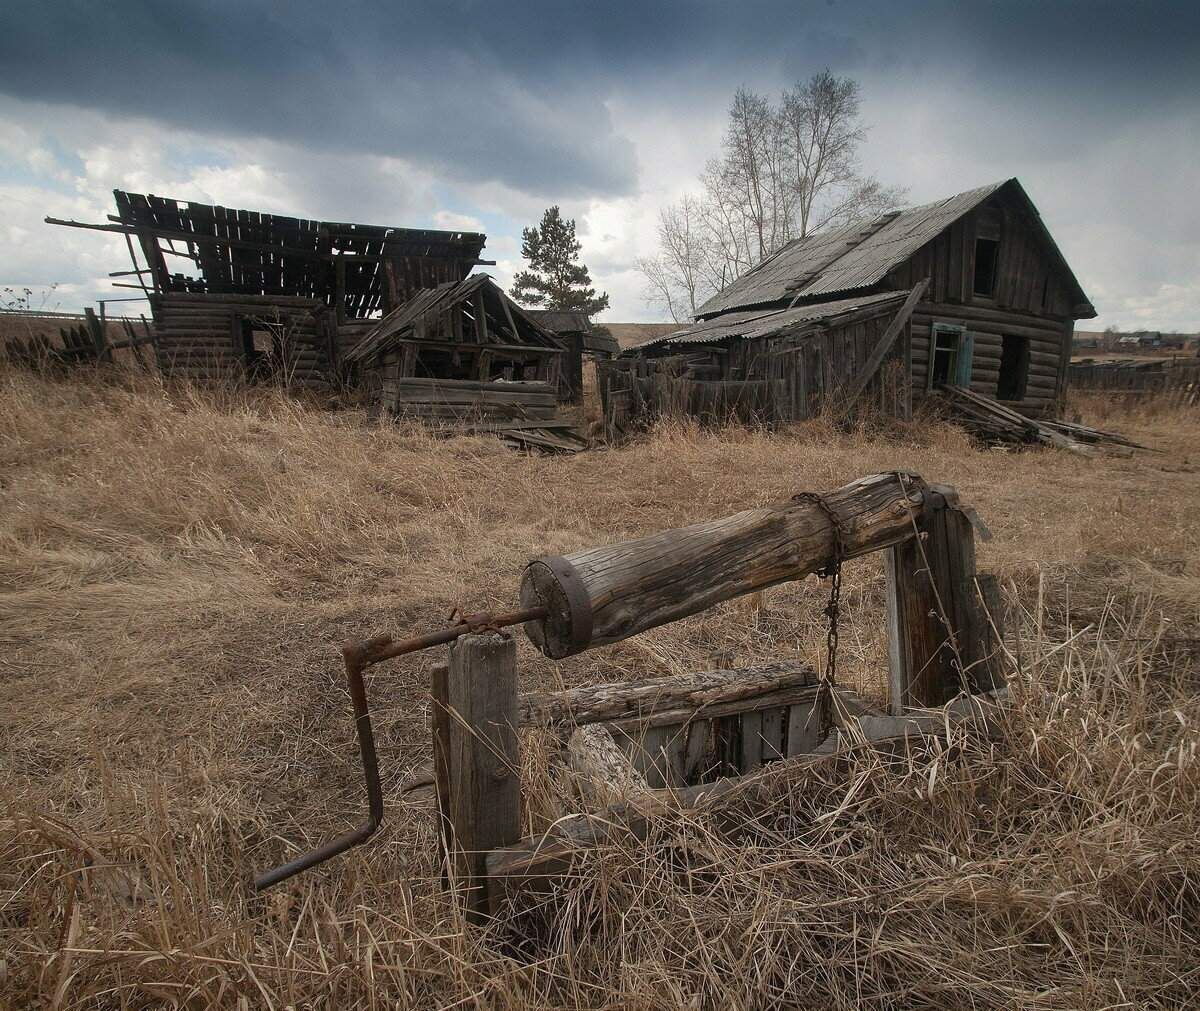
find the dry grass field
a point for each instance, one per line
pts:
(178, 570)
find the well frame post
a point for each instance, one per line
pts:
(477, 759)
(940, 639)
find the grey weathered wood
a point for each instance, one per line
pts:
(772, 733)
(698, 750)
(675, 699)
(439, 725)
(602, 770)
(881, 349)
(989, 674)
(484, 762)
(899, 652)
(636, 585)
(752, 741)
(935, 628)
(804, 728)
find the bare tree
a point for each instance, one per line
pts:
(822, 133)
(678, 279)
(782, 173)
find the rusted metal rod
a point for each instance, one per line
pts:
(360, 655)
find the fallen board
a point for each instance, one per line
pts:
(995, 423)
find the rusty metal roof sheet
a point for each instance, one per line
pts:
(769, 322)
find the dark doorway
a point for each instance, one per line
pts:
(261, 349)
(1014, 368)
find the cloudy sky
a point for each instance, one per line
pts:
(478, 115)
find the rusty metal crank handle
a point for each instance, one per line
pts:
(359, 656)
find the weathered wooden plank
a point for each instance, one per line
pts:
(603, 772)
(439, 725)
(772, 733)
(752, 742)
(804, 727)
(484, 762)
(674, 699)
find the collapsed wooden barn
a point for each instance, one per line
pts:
(266, 295)
(462, 351)
(994, 311)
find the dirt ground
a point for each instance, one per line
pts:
(179, 569)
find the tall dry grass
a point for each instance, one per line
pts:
(178, 568)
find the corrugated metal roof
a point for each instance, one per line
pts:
(561, 320)
(846, 259)
(752, 323)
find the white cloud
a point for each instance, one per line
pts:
(1120, 202)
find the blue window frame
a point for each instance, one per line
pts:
(951, 347)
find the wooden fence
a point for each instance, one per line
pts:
(81, 344)
(648, 746)
(1172, 382)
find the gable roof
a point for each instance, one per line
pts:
(750, 323)
(503, 315)
(861, 254)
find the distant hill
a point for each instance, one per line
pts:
(629, 334)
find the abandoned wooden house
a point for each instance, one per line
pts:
(257, 295)
(463, 350)
(969, 291)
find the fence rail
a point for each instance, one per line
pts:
(1175, 383)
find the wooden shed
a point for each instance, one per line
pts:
(247, 293)
(767, 365)
(997, 314)
(463, 350)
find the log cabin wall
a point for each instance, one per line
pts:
(219, 337)
(1030, 309)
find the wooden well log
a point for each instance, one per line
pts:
(673, 699)
(606, 594)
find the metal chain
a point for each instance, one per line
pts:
(833, 572)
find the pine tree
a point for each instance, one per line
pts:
(555, 279)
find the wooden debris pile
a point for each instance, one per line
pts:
(995, 424)
(542, 436)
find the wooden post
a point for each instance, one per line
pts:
(99, 337)
(939, 640)
(478, 761)
(989, 674)
(439, 724)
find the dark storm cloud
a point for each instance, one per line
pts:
(515, 93)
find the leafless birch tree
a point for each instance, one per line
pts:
(783, 172)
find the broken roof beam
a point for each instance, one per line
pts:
(881, 349)
(200, 238)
